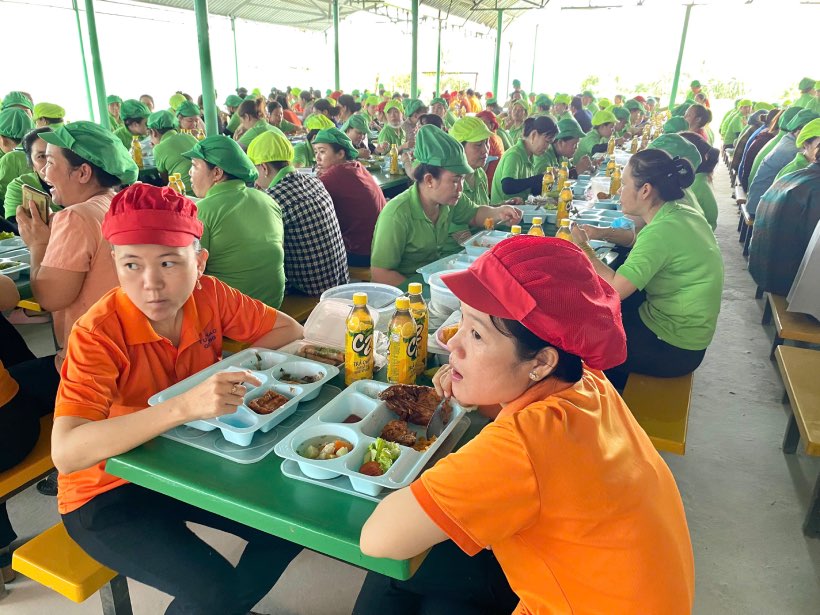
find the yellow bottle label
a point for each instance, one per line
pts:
(536, 230)
(610, 147)
(564, 233)
(402, 351)
(419, 313)
(359, 346)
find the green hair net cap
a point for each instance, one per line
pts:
(226, 154)
(604, 116)
(603, 103)
(695, 84)
(801, 119)
(176, 100)
(233, 101)
(542, 100)
(762, 105)
(188, 109)
(381, 86)
(470, 130)
(317, 121)
(270, 146)
(491, 101)
(17, 99)
(521, 103)
(355, 93)
(569, 128)
(393, 104)
(588, 94)
(806, 83)
(372, 100)
(413, 105)
(787, 116)
(49, 110)
(357, 122)
(162, 120)
(633, 105)
(681, 110)
(133, 109)
(437, 148)
(562, 99)
(98, 146)
(621, 113)
(810, 131)
(516, 83)
(676, 145)
(438, 100)
(745, 102)
(113, 99)
(296, 91)
(675, 124)
(15, 123)
(337, 137)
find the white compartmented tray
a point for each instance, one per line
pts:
(269, 366)
(13, 267)
(454, 262)
(360, 399)
(12, 243)
(479, 243)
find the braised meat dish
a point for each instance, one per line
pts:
(414, 403)
(397, 431)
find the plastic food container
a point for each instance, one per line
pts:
(13, 243)
(456, 262)
(441, 296)
(270, 367)
(479, 243)
(361, 400)
(380, 297)
(12, 267)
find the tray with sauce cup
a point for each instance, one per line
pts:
(349, 424)
(479, 243)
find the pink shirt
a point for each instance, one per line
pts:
(77, 244)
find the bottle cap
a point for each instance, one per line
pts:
(414, 288)
(515, 229)
(359, 298)
(537, 220)
(402, 303)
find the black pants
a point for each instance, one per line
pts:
(142, 535)
(648, 354)
(449, 582)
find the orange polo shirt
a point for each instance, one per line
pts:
(582, 513)
(8, 385)
(116, 361)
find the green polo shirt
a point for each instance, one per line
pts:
(12, 165)
(477, 192)
(14, 192)
(449, 119)
(244, 236)
(168, 158)
(505, 138)
(254, 131)
(406, 239)
(585, 145)
(705, 195)
(515, 163)
(550, 158)
(233, 123)
(114, 123)
(303, 155)
(592, 108)
(285, 126)
(515, 133)
(124, 135)
(393, 136)
(800, 162)
(676, 260)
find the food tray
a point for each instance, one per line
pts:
(434, 345)
(479, 243)
(453, 262)
(263, 443)
(341, 483)
(13, 271)
(13, 243)
(240, 427)
(361, 399)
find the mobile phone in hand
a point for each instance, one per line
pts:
(41, 199)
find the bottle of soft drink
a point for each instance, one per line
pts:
(418, 310)
(401, 353)
(515, 229)
(563, 230)
(610, 146)
(611, 166)
(615, 184)
(564, 200)
(536, 228)
(180, 185)
(394, 160)
(359, 341)
(136, 151)
(563, 175)
(634, 147)
(547, 181)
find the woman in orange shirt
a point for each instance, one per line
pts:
(566, 488)
(496, 144)
(164, 323)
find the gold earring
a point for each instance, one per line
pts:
(533, 375)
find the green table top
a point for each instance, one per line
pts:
(259, 495)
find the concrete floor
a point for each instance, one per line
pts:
(745, 500)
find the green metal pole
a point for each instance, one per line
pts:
(336, 42)
(235, 53)
(438, 58)
(680, 56)
(85, 65)
(414, 10)
(203, 38)
(99, 82)
(499, 25)
(534, 55)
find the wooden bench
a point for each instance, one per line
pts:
(791, 326)
(35, 466)
(661, 407)
(299, 307)
(53, 559)
(745, 225)
(799, 368)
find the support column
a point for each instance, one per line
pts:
(534, 55)
(414, 54)
(497, 65)
(235, 53)
(206, 74)
(438, 58)
(85, 65)
(336, 42)
(680, 57)
(99, 82)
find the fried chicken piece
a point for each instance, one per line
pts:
(414, 403)
(397, 431)
(269, 402)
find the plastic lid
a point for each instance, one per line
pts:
(359, 298)
(414, 288)
(515, 229)
(326, 324)
(403, 303)
(537, 220)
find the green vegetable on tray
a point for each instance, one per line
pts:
(9, 265)
(6, 235)
(382, 452)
